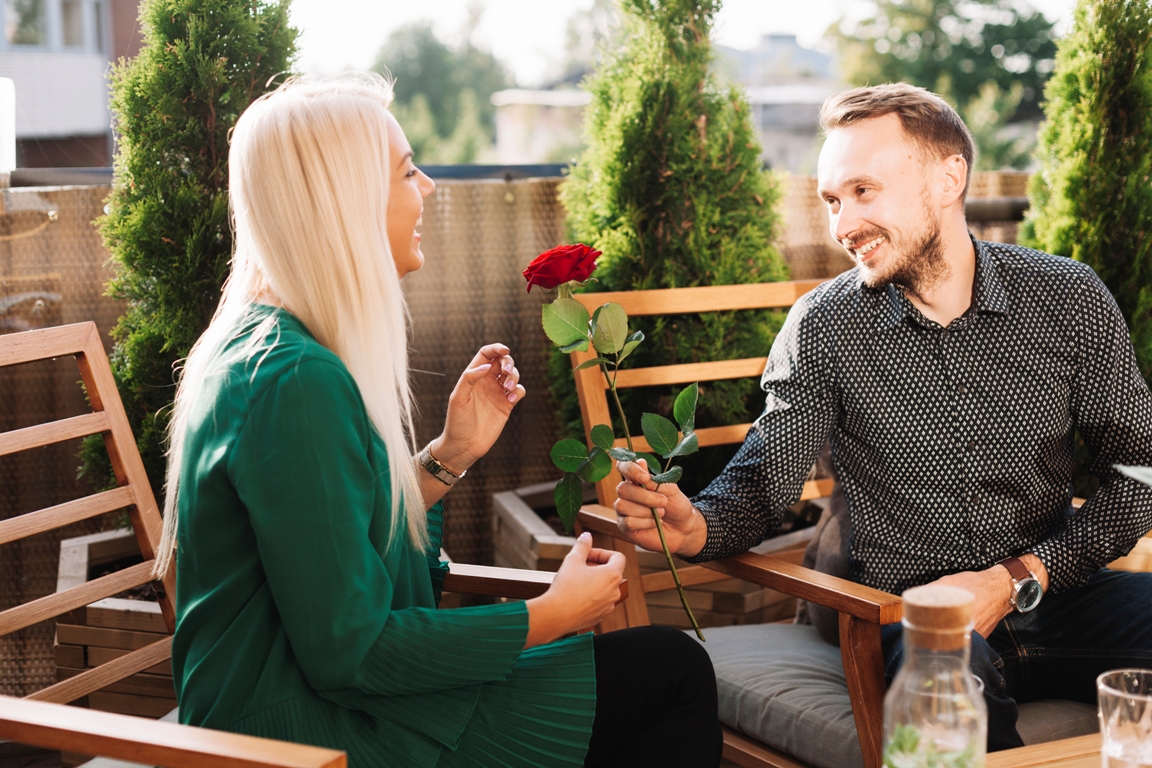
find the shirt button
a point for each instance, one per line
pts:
(962, 389)
(971, 446)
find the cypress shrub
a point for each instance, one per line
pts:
(1092, 198)
(670, 188)
(201, 64)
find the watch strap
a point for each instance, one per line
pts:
(436, 469)
(1017, 568)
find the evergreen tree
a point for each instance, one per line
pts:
(1092, 199)
(201, 64)
(671, 189)
(990, 58)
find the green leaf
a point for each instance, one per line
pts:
(569, 454)
(611, 329)
(685, 408)
(660, 433)
(603, 437)
(687, 446)
(576, 346)
(654, 464)
(671, 476)
(630, 344)
(569, 496)
(597, 467)
(592, 362)
(622, 454)
(565, 321)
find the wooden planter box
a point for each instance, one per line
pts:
(522, 540)
(110, 628)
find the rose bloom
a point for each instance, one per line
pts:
(562, 264)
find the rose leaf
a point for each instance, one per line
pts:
(685, 408)
(630, 344)
(592, 362)
(597, 467)
(603, 437)
(660, 433)
(580, 345)
(622, 454)
(565, 321)
(671, 476)
(569, 496)
(611, 329)
(687, 446)
(568, 454)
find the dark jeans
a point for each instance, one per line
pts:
(1057, 650)
(655, 702)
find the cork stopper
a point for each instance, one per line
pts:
(938, 618)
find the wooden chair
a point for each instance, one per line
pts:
(862, 610)
(41, 719)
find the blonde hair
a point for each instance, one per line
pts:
(309, 180)
(926, 118)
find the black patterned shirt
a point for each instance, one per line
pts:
(954, 445)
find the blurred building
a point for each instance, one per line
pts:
(785, 83)
(57, 53)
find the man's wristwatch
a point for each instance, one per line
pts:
(1026, 589)
(436, 469)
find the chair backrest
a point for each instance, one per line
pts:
(132, 493)
(593, 391)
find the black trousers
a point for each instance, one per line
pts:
(655, 702)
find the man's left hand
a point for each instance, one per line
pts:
(992, 589)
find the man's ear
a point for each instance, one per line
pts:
(954, 178)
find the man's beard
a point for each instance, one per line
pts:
(917, 268)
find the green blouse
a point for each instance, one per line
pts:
(295, 618)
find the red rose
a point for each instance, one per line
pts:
(562, 264)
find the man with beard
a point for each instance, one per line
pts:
(951, 376)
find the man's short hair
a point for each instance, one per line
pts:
(927, 119)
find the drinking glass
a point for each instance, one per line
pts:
(1125, 718)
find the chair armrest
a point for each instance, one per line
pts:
(841, 595)
(89, 732)
(516, 583)
(778, 573)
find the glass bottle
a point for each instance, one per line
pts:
(934, 712)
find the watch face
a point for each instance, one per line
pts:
(1029, 595)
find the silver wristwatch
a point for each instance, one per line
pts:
(436, 469)
(1026, 589)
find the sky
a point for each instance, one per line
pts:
(529, 35)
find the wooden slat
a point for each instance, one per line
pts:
(690, 576)
(61, 602)
(687, 373)
(1078, 752)
(820, 588)
(63, 514)
(102, 637)
(141, 684)
(90, 732)
(729, 435)
(93, 680)
(712, 298)
(43, 344)
(52, 432)
(817, 489)
(864, 672)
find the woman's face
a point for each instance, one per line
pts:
(405, 201)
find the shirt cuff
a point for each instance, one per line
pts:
(1063, 572)
(714, 544)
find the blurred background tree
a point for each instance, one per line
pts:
(1092, 199)
(202, 62)
(443, 92)
(989, 58)
(671, 189)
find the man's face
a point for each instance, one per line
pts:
(881, 205)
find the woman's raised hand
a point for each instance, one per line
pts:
(585, 590)
(479, 408)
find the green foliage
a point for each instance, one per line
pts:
(1092, 198)
(201, 64)
(990, 58)
(443, 94)
(670, 188)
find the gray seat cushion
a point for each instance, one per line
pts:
(783, 685)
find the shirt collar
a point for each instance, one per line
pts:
(988, 293)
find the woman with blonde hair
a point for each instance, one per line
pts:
(306, 526)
